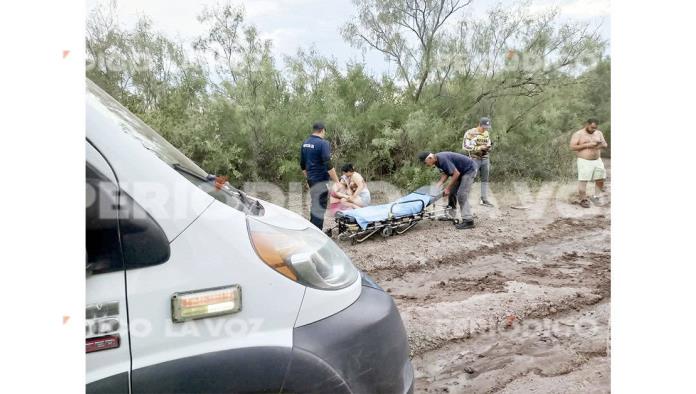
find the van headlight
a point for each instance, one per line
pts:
(306, 256)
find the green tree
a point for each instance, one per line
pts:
(224, 102)
(409, 32)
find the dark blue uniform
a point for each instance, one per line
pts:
(315, 158)
(447, 162)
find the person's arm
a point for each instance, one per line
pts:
(350, 204)
(442, 180)
(448, 170)
(453, 179)
(482, 145)
(336, 192)
(303, 164)
(603, 142)
(332, 175)
(468, 144)
(342, 195)
(489, 142)
(577, 146)
(360, 185)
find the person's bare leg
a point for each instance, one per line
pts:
(582, 190)
(351, 204)
(599, 186)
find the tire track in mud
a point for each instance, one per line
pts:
(550, 277)
(566, 354)
(464, 300)
(548, 264)
(463, 296)
(432, 326)
(558, 229)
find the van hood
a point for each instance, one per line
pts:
(282, 217)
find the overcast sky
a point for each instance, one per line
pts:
(304, 23)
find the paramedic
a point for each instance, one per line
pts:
(315, 161)
(587, 144)
(477, 143)
(462, 171)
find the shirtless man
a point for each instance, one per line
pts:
(587, 144)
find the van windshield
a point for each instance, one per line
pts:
(133, 126)
(151, 140)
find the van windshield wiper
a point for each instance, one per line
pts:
(210, 178)
(182, 168)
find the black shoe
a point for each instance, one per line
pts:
(465, 225)
(486, 203)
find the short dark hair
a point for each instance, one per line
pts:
(348, 167)
(318, 126)
(423, 155)
(592, 120)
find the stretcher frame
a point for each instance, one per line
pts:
(393, 224)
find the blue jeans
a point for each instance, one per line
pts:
(459, 193)
(463, 196)
(484, 172)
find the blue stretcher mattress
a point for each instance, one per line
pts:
(375, 213)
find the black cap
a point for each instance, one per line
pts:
(485, 122)
(318, 126)
(423, 155)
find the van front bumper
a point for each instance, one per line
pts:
(361, 349)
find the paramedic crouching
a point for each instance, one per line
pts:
(462, 171)
(315, 161)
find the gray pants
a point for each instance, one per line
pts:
(484, 171)
(462, 191)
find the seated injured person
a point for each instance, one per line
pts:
(359, 194)
(338, 197)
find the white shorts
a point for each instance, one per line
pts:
(591, 170)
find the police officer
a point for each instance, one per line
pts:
(315, 161)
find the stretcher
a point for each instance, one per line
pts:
(397, 217)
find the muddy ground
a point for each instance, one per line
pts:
(518, 304)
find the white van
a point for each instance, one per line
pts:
(193, 286)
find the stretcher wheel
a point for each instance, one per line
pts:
(387, 232)
(455, 221)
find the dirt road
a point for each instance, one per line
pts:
(520, 303)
